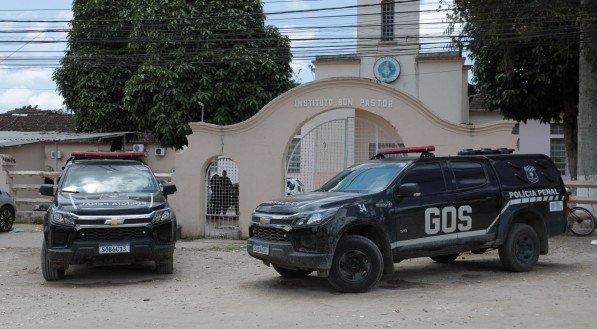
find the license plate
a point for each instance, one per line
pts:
(114, 248)
(261, 248)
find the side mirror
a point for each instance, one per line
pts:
(46, 189)
(409, 190)
(168, 188)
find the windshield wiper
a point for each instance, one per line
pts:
(69, 191)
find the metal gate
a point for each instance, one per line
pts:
(319, 154)
(221, 202)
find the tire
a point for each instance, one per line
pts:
(7, 217)
(165, 266)
(293, 274)
(49, 271)
(357, 265)
(581, 221)
(445, 259)
(520, 252)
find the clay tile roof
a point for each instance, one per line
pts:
(37, 122)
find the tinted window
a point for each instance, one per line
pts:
(468, 174)
(429, 176)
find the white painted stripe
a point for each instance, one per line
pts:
(525, 200)
(471, 233)
(514, 201)
(425, 239)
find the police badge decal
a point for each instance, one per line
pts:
(532, 175)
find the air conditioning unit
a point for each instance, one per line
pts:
(138, 148)
(160, 151)
(56, 155)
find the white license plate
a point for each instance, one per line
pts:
(261, 248)
(114, 248)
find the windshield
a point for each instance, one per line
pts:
(109, 179)
(364, 178)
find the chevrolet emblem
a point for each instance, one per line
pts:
(114, 221)
(263, 221)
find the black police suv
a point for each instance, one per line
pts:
(108, 208)
(375, 214)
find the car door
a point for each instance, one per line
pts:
(476, 199)
(418, 218)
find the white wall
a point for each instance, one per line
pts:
(534, 137)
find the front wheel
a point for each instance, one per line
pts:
(165, 266)
(48, 270)
(357, 265)
(293, 274)
(581, 221)
(520, 252)
(7, 217)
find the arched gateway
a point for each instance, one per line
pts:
(259, 145)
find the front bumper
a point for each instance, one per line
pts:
(80, 244)
(284, 255)
(87, 252)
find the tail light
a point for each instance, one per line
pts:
(567, 201)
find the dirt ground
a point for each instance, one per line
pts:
(217, 285)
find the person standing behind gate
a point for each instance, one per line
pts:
(226, 191)
(214, 184)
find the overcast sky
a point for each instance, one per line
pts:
(34, 86)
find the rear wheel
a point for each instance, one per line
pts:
(294, 274)
(165, 266)
(357, 265)
(444, 259)
(520, 252)
(49, 271)
(7, 217)
(581, 221)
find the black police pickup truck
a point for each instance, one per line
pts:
(375, 214)
(108, 209)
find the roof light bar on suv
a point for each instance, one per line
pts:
(424, 150)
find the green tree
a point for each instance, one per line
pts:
(525, 55)
(97, 65)
(182, 54)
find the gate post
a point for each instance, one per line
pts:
(7, 162)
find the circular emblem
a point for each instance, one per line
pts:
(386, 69)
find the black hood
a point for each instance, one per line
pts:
(308, 202)
(110, 203)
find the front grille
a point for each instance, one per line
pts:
(113, 233)
(269, 233)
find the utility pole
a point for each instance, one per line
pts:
(587, 103)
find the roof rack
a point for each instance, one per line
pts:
(501, 150)
(424, 150)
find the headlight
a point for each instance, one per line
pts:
(315, 218)
(162, 216)
(62, 218)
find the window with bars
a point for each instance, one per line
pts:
(294, 156)
(387, 20)
(557, 152)
(556, 129)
